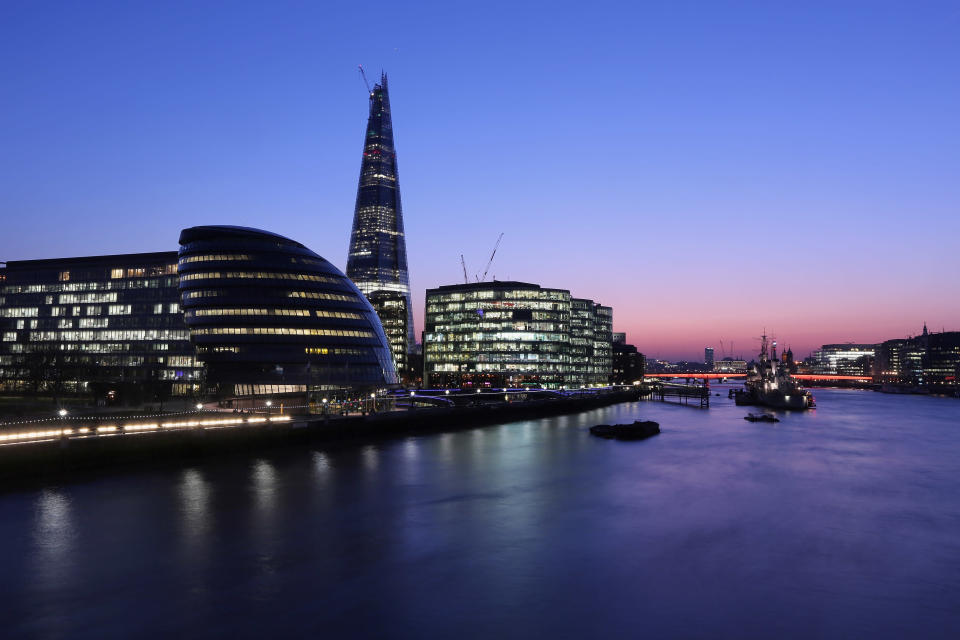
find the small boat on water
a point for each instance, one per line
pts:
(761, 417)
(639, 430)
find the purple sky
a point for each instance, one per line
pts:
(708, 169)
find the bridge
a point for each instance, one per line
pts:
(820, 377)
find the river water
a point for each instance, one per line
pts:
(838, 522)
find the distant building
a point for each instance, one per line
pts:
(708, 358)
(269, 316)
(619, 337)
(377, 262)
(514, 333)
(107, 326)
(844, 359)
(929, 360)
(628, 364)
(729, 365)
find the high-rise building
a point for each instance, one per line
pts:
(377, 262)
(708, 358)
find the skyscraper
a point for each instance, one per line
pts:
(377, 262)
(708, 358)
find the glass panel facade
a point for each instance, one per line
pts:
(92, 326)
(377, 261)
(512, 333)
(296, 323)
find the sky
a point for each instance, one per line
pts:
(708, 169)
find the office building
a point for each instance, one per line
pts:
(844, 359)
(628, 364)
(729, 365)
(269, 316)
(515, 333)
(708, 358)
(377, 261)
(106, 327)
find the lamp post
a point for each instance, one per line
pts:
(269, 404)
(373, 403)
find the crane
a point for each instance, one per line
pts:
(490, 261)
(466, 278)
(363, 76)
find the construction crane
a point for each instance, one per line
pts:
(363, 76)
(466, 278)
(490, 261)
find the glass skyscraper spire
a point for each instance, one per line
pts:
(377, 262)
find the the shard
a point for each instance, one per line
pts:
(377, 262)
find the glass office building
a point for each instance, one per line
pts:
(269, 316)
(99, 326)
(377, 261)
(509, 334)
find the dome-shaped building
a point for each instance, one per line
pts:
(268, 316)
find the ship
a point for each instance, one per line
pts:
(769, 384)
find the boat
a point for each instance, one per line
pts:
(769, 384)
(761, 417)
(639, 430)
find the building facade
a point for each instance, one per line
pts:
(103, 326)
(269, 316)
(708, 358)
(847, 359)
(929, 360)
(628, 364)
(503, 334)
(377, 261)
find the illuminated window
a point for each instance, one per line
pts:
(64, 276)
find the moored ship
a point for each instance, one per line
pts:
(769, 384)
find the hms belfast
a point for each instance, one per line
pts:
(377, 262)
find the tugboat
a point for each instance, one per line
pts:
(761, 417)
(770, 385)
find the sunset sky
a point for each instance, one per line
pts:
(709, 169)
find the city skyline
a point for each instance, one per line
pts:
(662, 168)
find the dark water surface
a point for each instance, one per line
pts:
(840, 522)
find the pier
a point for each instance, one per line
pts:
(687, 394)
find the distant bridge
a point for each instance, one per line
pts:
(822, 377)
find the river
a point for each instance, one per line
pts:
(839, 522)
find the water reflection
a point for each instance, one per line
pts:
(836, 523)
(194, 493)
(54, 537)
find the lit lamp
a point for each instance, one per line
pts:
(62, 413)
(199, 406)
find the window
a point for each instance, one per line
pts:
(64, 276)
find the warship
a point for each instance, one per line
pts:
(769, 384)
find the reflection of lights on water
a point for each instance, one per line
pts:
(321, 464)
(53, 534)
(264, 484)
(194, 502)
(370, 457)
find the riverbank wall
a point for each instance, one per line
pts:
(58, 459)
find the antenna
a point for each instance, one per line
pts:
(490, 261)
(363, 76)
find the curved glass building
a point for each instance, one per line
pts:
(267, 316)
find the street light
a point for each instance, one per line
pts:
(447, 392)
(62, 413)
(269, 403)
(199, 406)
